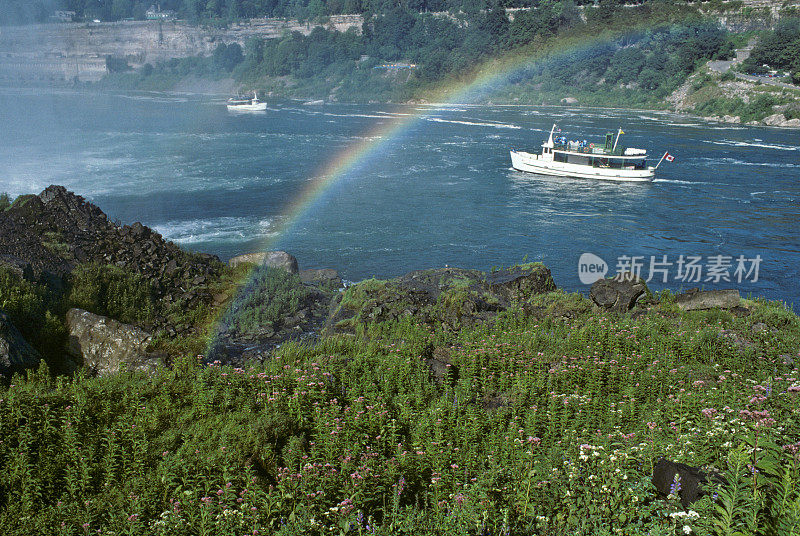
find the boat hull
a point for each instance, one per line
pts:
(259, 107)
(532, 163)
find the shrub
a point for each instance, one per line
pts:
(108, 290)
(270, 295)
(37, 312)
(5, 201)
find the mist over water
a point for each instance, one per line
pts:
(442, 193)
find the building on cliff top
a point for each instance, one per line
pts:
(155, 13)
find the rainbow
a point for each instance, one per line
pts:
(488, 78)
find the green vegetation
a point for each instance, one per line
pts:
(269, 295)
(5, 201)
(640, 68)
(37, 311)
(778, 49)
(108, 290)
(352, 436)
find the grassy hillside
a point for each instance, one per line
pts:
(548, 422)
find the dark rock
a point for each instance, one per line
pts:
(739, 311)
(171, 267)
(138, 230)
(520, 283)
(694, 299)
(18, 266)
(442, 370)
(107, 346)
(691, 480)
(274, 259)
(324, 276)
(491, 402)
(618, 294)
(16, 354)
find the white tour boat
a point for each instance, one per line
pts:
(246, 105)
(608, 161)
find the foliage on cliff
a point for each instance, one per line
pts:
(224, 11)
(640, 67)
(778, 49)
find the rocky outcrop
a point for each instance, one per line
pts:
(273, 259)
(618, 294)
(682, 480)
(694, 299)
(321, 276)
(51, 233)
(16, 355)
(779, 120)
(520, 282)
(106, 346)
(452, 296)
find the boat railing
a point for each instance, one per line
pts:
(590, 149)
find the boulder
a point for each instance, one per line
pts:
(618, 294)
(442, 370)
(521, 282)
(694, 299)
(779, 120)
(326, 276)
(20, 267)
(683, 480)
(16, 354)
(106, 346)
(274, 259)
(569, 100)
(731, 119)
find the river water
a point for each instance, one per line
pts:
(440, 193)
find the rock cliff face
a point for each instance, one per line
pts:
(65, 51)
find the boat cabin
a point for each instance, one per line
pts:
(608, 155)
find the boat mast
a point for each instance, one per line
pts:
(549, 142)
(619, 131)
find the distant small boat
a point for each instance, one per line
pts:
(246, 105)
(314, 102)
(608, 161)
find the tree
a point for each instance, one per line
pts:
(226, 57)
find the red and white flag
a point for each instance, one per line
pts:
(668, 157)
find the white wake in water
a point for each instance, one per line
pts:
(777, 146)
(222, 229)
(473, 123)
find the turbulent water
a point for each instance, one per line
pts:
(441, 192)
